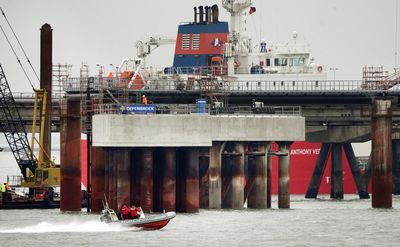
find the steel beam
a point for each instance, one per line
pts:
(284, 175)
(215, 182)
(336, 172)
(355, 170)
(381, 138)
(318, 172)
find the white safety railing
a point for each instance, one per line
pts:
(249, 85)
(195, 109)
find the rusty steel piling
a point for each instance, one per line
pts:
(215, 181)
(284, 175)
(46, 66)
(336, 172)
(122, 163)
(396, 166)
(98, 178)
(238, 176)
(191, 198)
(381, 138)
(169, 180)
(146, 180)
(70, 184)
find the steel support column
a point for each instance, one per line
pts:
(318, 172)
(396, 166)
(169, 180)
(70, 184)
(259, 189)
(284, 175)
(191, 198)
(204, 177)
(112, 179)
(122, 162)
(98, 178)
(381, 138)
(336, 172)
(238, 176)
(146, 180)
(46, 66)
(355, 170)
(249, 194)
(269, 179)
(215, 182)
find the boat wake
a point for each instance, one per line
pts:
(88, 226)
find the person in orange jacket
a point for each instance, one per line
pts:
(144, 100)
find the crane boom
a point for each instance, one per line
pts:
(151, 44)
(13, 128)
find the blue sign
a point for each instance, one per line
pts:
(137, 108)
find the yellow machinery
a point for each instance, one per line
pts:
(46, 174)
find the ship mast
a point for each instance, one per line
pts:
(236, 9)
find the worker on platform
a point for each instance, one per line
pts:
(144, 100)
(3, 191)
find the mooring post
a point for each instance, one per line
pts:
(284, 175)
(381, 138)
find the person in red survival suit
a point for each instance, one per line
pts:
(135, 212)
(125, 211)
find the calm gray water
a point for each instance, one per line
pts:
(322, 222)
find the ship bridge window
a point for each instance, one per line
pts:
(196, 41)
(280, 61)
(185, 41)
(268, 62)
(297, 61)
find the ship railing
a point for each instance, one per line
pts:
(181, 109)
(205, 83)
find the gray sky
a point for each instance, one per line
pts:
(343, 34)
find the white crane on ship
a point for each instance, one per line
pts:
(144, 48)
